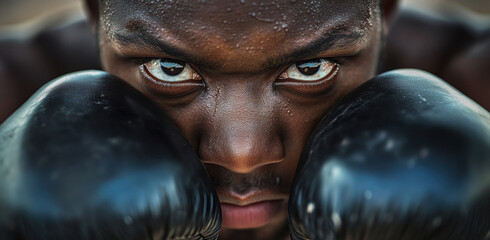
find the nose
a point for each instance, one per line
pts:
(243, 134)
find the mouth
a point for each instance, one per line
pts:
(250, 201)
(249, 216)
(245, 213)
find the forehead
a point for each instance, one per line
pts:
(228, 29)
(222, 12)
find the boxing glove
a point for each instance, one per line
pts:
(89, 157)
(404, 156)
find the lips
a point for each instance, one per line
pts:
(252, 215)
(250, 200)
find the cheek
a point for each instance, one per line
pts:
(300, 120)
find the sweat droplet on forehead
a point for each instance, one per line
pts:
(234, 16)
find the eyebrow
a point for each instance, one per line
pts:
(330, 40)
(338, 38)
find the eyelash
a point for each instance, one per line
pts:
(336, 60)
(140, 61)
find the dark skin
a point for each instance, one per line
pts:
(245, 118)
(247, 122)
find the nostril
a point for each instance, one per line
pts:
(239, 157)
(241, 166)
(242, 146)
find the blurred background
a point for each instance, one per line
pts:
(53, 38)
(15, 11)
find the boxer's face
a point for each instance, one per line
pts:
(246, 81)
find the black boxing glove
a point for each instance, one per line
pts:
(89, 157)
(404, 156)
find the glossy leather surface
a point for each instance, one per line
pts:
(89, 157)
(404, 156)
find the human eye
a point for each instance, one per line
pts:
(171, 71)
(171, 78)
(309, 78)
(314, 71)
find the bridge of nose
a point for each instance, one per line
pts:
(243, 134)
